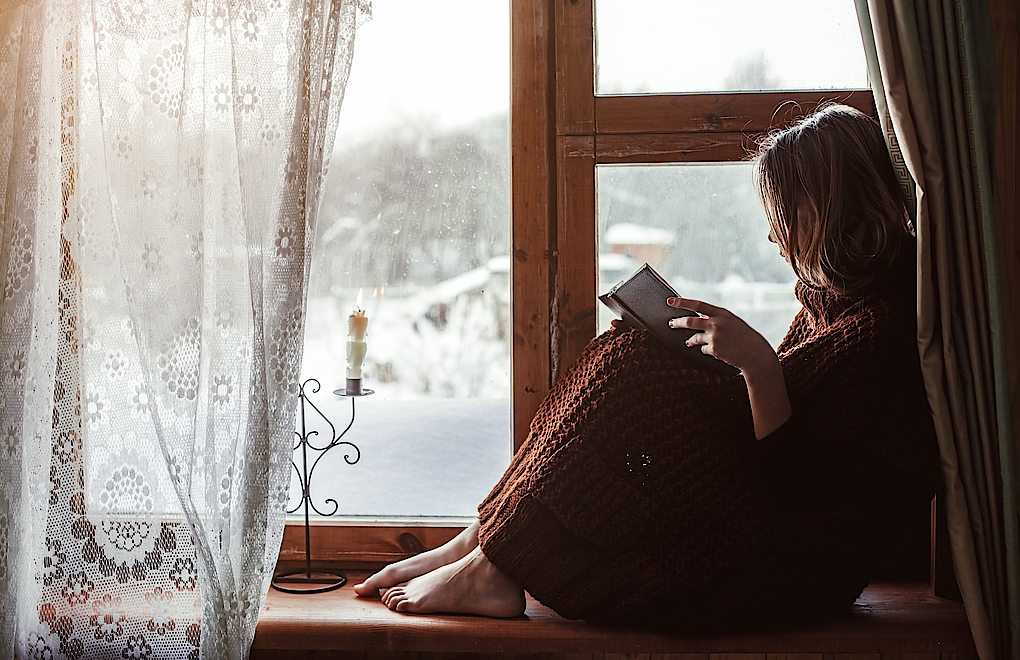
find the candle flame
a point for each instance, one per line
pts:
(375, 292)
(360, 298)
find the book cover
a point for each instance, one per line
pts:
(641, 302)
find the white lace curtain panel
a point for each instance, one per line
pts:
(160, 172)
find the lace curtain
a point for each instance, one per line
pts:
(160, 172)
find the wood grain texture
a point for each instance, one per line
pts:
(747, 112)
(674, 148)
(361, 545)
(533, 205)
(575, 67)
(576, 273)
(887, 619)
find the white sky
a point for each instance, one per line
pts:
(685, 45)
(448, 60)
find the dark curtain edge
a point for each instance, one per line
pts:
(978, 40)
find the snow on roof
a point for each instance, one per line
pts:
(626, 233)
(499, 264)
(612, 261)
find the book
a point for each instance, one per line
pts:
(641, 302)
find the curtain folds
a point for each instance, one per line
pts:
(161, 165)
(932, 71)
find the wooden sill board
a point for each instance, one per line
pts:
(888, 619)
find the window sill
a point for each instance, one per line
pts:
(888, 619)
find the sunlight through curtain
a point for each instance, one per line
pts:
(161, 164)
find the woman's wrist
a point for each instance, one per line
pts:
(764, 369)
(770, 402)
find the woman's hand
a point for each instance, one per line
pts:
(620, 325)
(724, 335)
(727, 337)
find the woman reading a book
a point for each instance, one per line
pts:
(650, 492)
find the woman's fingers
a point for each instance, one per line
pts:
(690, 323)
(703, 340)
(721, 334)
(697, 338)
(699, 306)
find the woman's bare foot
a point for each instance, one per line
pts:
(471, 585)
(402, 571)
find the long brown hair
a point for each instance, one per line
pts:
(832, 199)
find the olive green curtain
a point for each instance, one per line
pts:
(932, 70)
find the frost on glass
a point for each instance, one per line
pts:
(661, 46)
(416, 214)
(703, 229)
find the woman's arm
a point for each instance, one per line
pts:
(770, 403)
(729, 338)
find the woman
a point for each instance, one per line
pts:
(651, 493)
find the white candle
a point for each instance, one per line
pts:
(357, 326)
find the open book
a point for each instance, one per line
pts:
(641, 302)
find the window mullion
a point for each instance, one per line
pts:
(533, 206)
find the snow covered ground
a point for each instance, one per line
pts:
(419, 458)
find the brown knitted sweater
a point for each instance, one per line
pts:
(642, 498)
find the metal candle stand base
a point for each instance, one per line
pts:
(306, 581)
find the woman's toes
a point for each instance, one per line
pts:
(396, 597)
(365, 589)
(391, 594)
(369, 586)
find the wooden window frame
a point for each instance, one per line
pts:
(560, 130)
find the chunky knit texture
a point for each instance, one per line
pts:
(642, 498)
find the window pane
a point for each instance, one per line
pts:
(703, 229)
(727, 45)
(416, 215)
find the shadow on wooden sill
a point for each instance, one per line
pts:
(890, 620)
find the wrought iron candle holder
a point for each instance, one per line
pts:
(306, 581)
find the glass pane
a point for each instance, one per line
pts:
(703, 229)
(728, 45)
(416, 214)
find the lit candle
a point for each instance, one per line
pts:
(357, 323)
(357, 326)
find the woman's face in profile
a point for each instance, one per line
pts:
(772, 239)
(806, 218)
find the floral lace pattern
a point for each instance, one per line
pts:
(160, 166)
